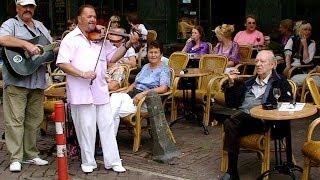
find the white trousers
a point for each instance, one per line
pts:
(86, 118)
(121, 106)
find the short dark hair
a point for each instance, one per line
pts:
(133, 18)
(155, 44)
(81, 8)
(250, 16)
(70, 22)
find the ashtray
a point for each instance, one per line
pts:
(269, 106)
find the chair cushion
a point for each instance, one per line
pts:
(253, 141)
(311, 149)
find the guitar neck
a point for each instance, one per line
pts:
(51, 46)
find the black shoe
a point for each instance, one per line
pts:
(228, 176)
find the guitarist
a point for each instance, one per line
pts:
(23, 96)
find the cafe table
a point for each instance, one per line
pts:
(192, 74)
(272, 116)
(194, 60)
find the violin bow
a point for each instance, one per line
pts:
(104, 39)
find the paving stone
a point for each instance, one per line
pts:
(200, 157)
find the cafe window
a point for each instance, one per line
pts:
(188, 17)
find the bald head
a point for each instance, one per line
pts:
(265, 62)
(266, 54)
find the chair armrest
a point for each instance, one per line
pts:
(55, 85)
(290, 73)
(311, 127)
(58, 74)
(240, 67)
(214, 85)
(175, 84)
(139, 105)
(118, 90)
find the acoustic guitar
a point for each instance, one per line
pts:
(18, 61)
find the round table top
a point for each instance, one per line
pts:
(260, 113)
(194, 72)
(59, 92)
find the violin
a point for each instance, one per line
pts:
(98, 35)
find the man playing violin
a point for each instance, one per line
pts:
(115, 73)
(85, 62)
(23, 96)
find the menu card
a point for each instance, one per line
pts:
(290, 107)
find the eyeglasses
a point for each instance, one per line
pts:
(115, 21)
(251, 22)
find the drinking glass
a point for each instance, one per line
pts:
(258, 40)
(276, 93)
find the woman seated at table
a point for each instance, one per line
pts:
(226, 46)
(196, 43)
(299, 50)
(153, 76)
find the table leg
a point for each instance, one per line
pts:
(191, 113)
(283, 168)
(193, 99)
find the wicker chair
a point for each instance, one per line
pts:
(178, 61)
(134, 121)
(214, 62)
(65, 33)
(303, 91)
(311, 149)
(314, 90)
(53, 75)
(293, 70)
(253, 143)
(245, 53)
(49, 101)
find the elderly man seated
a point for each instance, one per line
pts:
(245, 95)
(115, 74)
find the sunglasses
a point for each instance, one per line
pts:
(251, 22)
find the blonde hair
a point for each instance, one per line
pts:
(300, 25)
(114, 18)
(224, 30)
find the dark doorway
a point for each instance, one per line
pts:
(225, 12)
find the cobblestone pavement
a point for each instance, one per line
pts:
(200, 157)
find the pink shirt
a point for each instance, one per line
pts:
(244, 38)
(83, 54)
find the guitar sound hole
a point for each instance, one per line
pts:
(41, 51)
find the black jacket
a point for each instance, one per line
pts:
(234, 96)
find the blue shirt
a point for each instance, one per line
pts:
(152, 78)
(15, 28)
